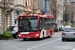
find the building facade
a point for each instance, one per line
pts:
(46, 7)
(73, 11)
(18, 10)
(53, 8)
(67, 12)
(40, 6)
(49, 7)
(31, 7)
(24, 7)
(59, 12)
(6, 8)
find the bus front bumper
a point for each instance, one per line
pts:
(25, 36)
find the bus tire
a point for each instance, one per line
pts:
(50, 34)
(42, 36)
(24, 39)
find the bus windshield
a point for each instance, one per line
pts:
(28, 25)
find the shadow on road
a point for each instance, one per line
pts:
(34, 39)
(69, 41)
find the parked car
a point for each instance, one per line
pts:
(14, 31)
(68, 26)
(68, 33)
(55, 28)
(61, 28)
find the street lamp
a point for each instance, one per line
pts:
(54, 9)
(33, 7)
(4, 15)
(2, 5)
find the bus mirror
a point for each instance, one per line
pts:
(15, 21)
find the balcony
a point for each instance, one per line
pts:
(8, 5)
(28, 8)
(19, 7)
(37, 11)
(11, 5)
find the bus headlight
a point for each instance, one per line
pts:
(19, 35)
(37, 35)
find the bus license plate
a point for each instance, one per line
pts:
(27, 37)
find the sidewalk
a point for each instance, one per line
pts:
(6, 40)
(1, 41)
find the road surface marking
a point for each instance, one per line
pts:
(42, 44)
(73, 49)
(6, 42)
(3, 43)
(9, 42)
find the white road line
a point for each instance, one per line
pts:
(14, 41)
(73, 49)
(9, 42)
(42, 44)
(6, 43)
(3, 43)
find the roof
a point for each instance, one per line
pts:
(39, 15)
(72, 1)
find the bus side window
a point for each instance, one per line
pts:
(47, 25)
(52, 20)
(41, 23)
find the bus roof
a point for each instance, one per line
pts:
(50, 16)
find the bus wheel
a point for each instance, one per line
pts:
(43, 35)
(24, 39)
(50, 34)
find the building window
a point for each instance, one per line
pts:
(26, 3)
(51, 2)
(64, 8)
(72, 13)
(20, 1)
(67, 0)
(9, 0)
(72, 9)
(12, 0)
(17, 1)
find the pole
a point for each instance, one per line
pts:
(67, 15)
(33, 7)
(14, 18)
(45, 5)
(53, 10)
(4, 15)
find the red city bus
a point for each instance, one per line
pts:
(35, 26)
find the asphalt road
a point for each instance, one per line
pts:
(53, 43)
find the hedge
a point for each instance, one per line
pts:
(6, 35)
(58, 30)
(73, 25)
